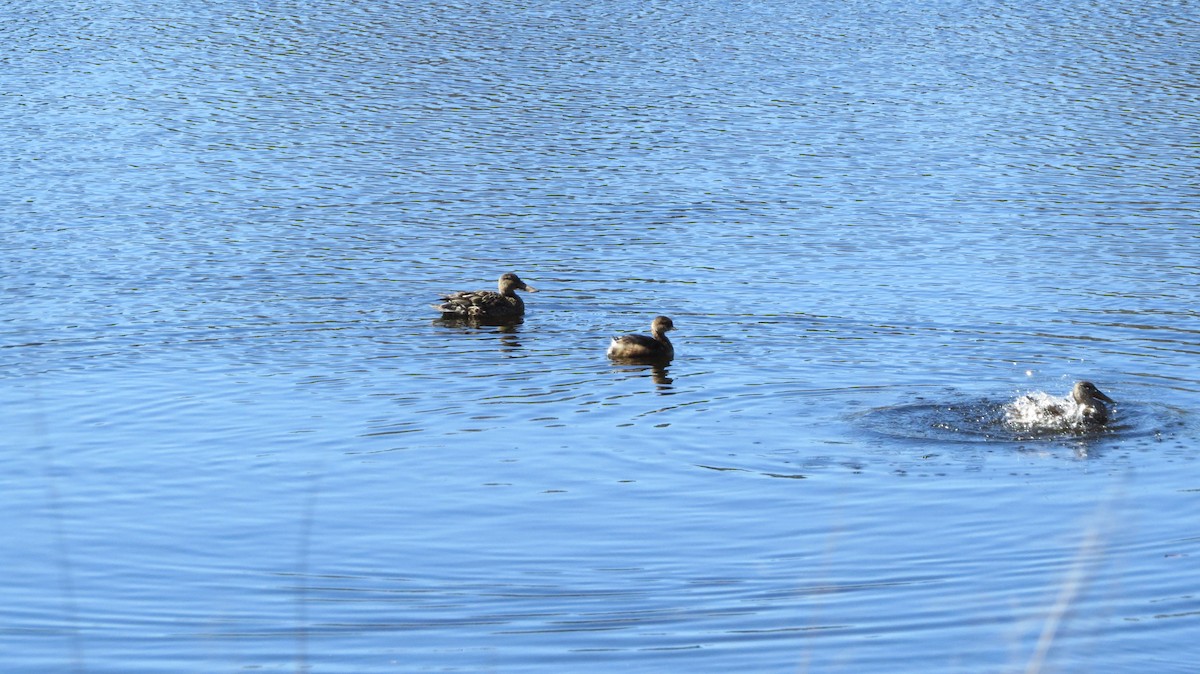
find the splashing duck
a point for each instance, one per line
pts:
(1083, 409)
(653, 348)
(1089, 398)
(486, 306)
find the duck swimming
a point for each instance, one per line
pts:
(655, 348)
(486, 306)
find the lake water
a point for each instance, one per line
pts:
(236, 438)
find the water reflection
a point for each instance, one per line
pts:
(469, 324)
(509, 342)
(507, 332)
(1081, 448)
(659, 374)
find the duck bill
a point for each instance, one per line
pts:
(529, 289)
(1101, 396)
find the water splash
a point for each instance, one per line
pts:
(1040, 412)
(1029, 417)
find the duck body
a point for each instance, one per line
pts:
(487, 306)
(654, 347)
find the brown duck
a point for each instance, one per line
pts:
(485, 305)
(1088, 404)
(655, 348)
(1088, 397)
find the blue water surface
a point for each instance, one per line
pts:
(236, 438)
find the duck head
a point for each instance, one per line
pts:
(511, 282)
(1088, 397)
(1085, 392)
(661, 325)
